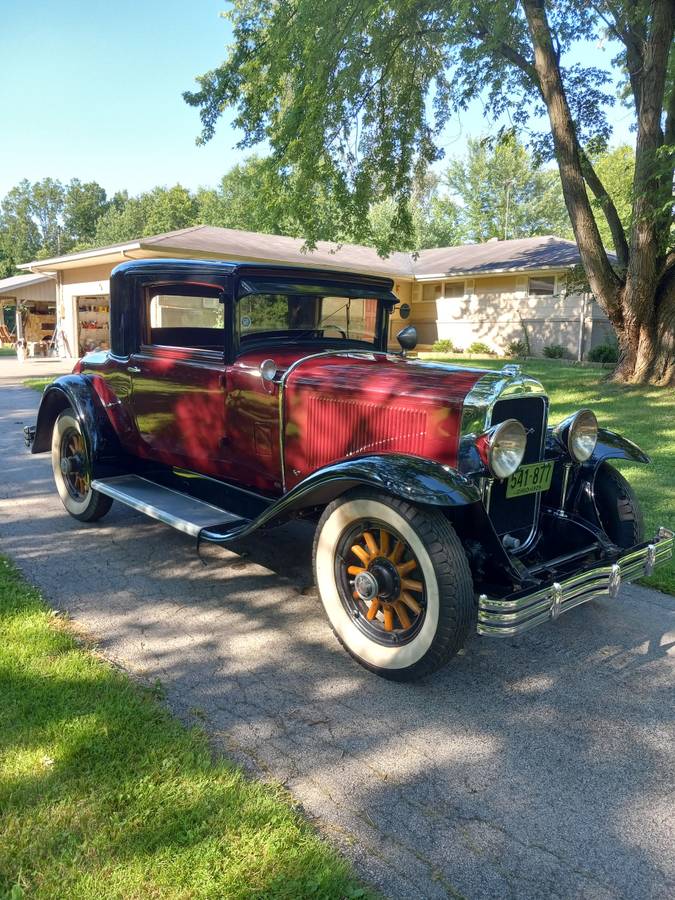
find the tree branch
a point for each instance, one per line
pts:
(604, 282)
(608, 209)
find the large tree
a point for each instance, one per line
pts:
(504, 195)
(84, 204)
(354, 94)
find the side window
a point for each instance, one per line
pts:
(541, 286)
(185, 317)
(454, 290)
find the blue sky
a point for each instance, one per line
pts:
(93, 90)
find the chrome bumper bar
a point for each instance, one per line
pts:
(519, 613)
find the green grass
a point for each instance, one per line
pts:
(104, 795)
(646, 415)
(37, 384)
(7, 351)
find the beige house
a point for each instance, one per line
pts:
(494, 292)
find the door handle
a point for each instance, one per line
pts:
(133, 369)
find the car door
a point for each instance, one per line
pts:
(178, 378)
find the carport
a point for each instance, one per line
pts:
(28, 312)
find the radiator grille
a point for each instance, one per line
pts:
(516, 515)
(337, 428)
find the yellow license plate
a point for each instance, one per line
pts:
(530, 479)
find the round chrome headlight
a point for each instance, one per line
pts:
(506, 448)
(582, 435)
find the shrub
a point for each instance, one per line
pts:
(517, 348)
(443, 346)
(554, 351)
(604, 353)
(480, 347)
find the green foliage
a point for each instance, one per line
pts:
(46, 218)
(604, 353)
(554, 351)
(84, 204)
(517, 349)
(480, 347)
(616, 169)
(504, 195)
(153, 212)
(444, 345)
(104, 795)
(353, 94)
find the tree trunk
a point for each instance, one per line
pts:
(642, 310)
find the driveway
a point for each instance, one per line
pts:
(542, 766)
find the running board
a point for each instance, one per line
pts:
(174, 508)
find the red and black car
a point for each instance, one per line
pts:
(236, 396)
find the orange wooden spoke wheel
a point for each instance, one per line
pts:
(73, 463)
(383, 582)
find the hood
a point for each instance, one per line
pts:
(339, 405)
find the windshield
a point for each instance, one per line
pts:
(309, 316)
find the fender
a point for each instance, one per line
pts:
(410, 478)
(611, 445)
(407, 477)
(78, 392)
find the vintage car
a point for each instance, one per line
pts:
(238, 395)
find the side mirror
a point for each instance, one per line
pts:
(407, 338)
(404, 310)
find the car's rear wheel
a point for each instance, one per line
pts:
(72, 470)
(618, 507)
(395, 583)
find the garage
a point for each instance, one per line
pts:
(93, 323)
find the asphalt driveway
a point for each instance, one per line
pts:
(542, 766)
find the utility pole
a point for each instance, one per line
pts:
(508, 184)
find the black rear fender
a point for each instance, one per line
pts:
(77, 392)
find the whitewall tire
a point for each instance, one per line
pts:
(394, 582)
(72, 470)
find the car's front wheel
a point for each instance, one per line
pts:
(395, 583)
(72, 470)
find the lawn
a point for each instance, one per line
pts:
(646, 415)
(104, 795)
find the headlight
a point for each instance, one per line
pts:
(506, 448)
(582, 435)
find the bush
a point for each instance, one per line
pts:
(517, 348)
(444, 346)
(480, 347)
(604, 353)
(554, 351)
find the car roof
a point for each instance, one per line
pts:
(201, 267)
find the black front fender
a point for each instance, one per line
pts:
(611, 445)
(77, 392)
(408, 477)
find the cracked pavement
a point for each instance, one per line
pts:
(542, 766)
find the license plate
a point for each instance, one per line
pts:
(530, 479)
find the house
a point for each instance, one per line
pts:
(33, 297)
(494, 292)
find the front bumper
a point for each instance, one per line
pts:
(520, 612)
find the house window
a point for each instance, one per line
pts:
(541, 286)
(432, 291)
(454, 290)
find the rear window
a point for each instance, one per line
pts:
(350, 318)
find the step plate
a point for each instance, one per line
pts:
(181, 511)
